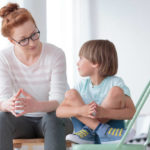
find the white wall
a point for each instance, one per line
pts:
(38, 12)
(127, 24)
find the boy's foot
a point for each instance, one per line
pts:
(84, 136)
(107, 134)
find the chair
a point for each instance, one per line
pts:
(122, 145)
(17, 143)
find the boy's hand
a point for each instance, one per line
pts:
(89, 110)
(93, 109)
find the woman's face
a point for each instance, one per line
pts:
(26, 37)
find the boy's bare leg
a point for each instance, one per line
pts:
(73, 98)
(114, 100)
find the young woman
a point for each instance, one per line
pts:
(99, 99)
(32, 80)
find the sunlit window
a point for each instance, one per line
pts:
(60, 30)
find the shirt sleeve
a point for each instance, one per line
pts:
(120, 83)
(77, 87)
(6, 85)
(59, 84)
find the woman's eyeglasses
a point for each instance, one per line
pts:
(33, 37)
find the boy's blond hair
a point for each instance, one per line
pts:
(102, 52)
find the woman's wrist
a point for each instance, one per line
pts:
(3, 106)
(37, 106)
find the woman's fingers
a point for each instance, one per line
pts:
(20, 101)
(13, 112)
(18, 93)
(21, 114)
(19, 108)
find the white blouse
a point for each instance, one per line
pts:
(44, 80)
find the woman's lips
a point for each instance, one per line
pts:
(32, 48)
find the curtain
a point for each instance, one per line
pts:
(68, 27)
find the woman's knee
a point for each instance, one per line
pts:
(50, 116)
(51, 122)
(5, 119)
(4, 116)
(51, 119)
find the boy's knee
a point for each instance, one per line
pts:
(116, 92)
(117, 97)
(71, 94)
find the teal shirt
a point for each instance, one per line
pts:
(98, 93)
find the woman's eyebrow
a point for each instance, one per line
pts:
(24, 37)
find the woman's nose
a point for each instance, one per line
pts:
(31, 42)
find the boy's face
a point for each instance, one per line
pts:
(85, 67)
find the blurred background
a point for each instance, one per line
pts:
(69, 23)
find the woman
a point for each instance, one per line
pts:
(32, 83)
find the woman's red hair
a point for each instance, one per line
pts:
(13, 16)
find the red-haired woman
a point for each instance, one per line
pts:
(32, 83)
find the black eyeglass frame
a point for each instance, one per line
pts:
(28, 38)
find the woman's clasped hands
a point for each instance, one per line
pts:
(21, 103)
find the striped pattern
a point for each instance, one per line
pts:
(44, 80)
(116, 132)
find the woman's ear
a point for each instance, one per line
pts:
(11, 40)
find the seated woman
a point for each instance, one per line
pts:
(32, 83)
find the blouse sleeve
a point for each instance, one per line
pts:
(6, 86)
(59, 84)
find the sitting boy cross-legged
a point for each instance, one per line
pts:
(98, 104)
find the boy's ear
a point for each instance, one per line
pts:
(95, 65)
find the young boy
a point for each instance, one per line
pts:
(99, 104)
